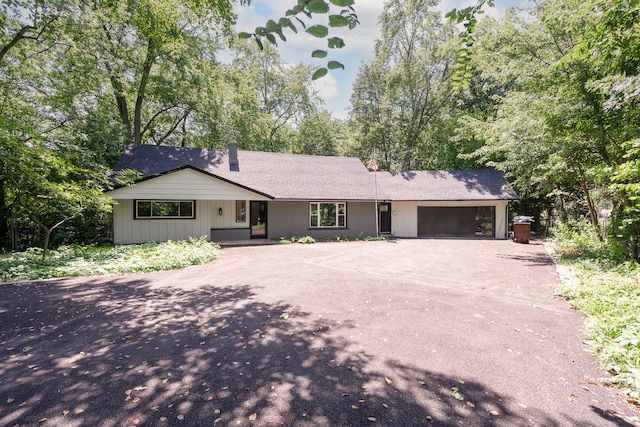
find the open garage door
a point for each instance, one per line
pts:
(456, 221)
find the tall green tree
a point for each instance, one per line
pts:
(136, 42)
(407, 88)
(561, 129)
(317, 135)
(283, 91)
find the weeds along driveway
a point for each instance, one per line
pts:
(405, 332)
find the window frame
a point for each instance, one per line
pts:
(137, 215)
(317, 221)
(241, 211)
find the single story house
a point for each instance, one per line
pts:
(240, 195)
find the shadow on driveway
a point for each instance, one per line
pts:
(123, 352)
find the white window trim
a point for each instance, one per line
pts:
(338, 215)
(137, 216)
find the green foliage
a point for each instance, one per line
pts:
(610, 296)
(563, 120)
(73, 260)
(468, 17)
(297, 239)
(577, 241)
(264, 101)
(402, 99)
(346, 17)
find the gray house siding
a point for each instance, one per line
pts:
(221, 235)
(291, 218)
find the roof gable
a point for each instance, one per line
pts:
(186, 183)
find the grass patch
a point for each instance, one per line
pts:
(597, 283)
(72, 261)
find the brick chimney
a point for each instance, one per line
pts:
(233, 156)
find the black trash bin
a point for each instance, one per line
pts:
(522, 228)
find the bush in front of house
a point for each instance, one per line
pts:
(75, 260)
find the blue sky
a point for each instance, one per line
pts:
(335, 89)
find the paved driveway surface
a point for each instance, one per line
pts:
(406, 332)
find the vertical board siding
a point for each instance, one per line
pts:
(184, 184)
(128, 230)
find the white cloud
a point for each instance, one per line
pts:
(327, 87)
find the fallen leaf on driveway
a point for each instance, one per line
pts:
(457, 395)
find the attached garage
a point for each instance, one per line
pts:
(469, 204)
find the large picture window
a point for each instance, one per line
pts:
(165, 209)
(328, 214)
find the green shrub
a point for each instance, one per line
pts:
(92, 260)
(306, 240)
(297, 239)
(579, 241)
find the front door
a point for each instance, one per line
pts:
(258, 220)
(385, 218)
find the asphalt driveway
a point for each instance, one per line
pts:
(402, 333)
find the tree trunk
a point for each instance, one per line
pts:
(4, 214)
(144, 79)
(118, 90)
(590, 206)
(45, 245)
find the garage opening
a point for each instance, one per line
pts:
(476, 221)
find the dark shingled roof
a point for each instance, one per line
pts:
(482, 184)
(277, 175)
(305, 177)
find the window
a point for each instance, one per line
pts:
(241, 211)
(485, 218)
(166, 209)
(328, 215)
